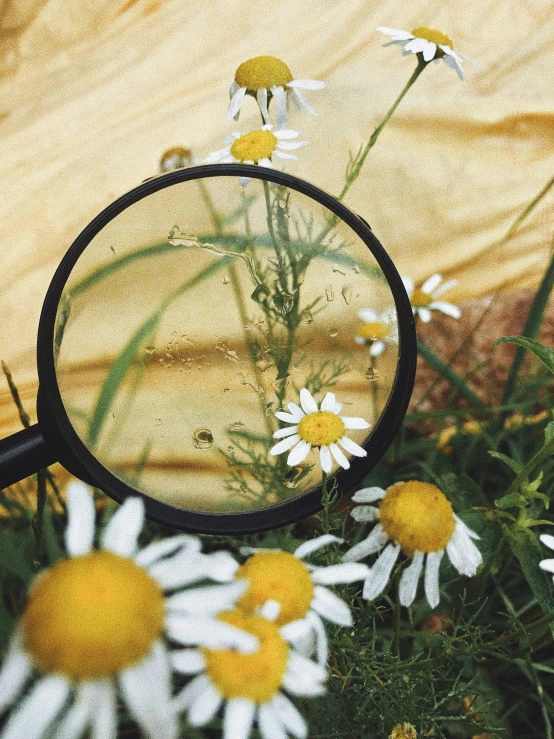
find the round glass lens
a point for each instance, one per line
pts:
(194, 319)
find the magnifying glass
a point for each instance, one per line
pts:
(190, 312)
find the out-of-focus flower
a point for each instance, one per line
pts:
(424, 299)
(403, 731)
(472, 428)
(430, 43)
(377, 330)
(518, 419)
(417, 518)
(321, 428)
(266, 77)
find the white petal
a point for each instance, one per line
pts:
(449, 284)
(269, 724)
(288, 417)
(408, 285)
(121, 533)
(210, 599)
(298, 454)
(220, 566)
(453, 61)
(295, 630)
(328, 402)
(280, 98)
(284, 155)
(368, 495)
(463, 553)
(191, 692)
(396, 33)
(285, 134)
(354, 423)
(429, 51)
(285, 445)
(547, 564)
(90, 696)
(282, 433)
(308, 547)
(365, 513)
(547, 540)
(239, 717)
(261, 97)
(79, 533)
(16, 670)
(146, 689)
(205, 706)
(368, 315)
(352, 447)
(218, 156)
(432, 591)
(331, 607)
(236, 102)
(307, 84)
(265, 162)
(104, 717)
(296, 411)
(472, 534)
(340, 457)
(342, 573)
(270, 610)
(377, 349)
(290, 716)
(416, 45)
(209, 632)
(307, 401)
(321, 648)
(424, 314)
(409, 580)
(182, 569)
(301, 685)
(371, 544)
(380, 572)
(302, 100)
(290, 145)
(39, 709)
(158, 549)
(301, 665)
(325, 459)
(187, 661)
(431, 283)
(447, 308)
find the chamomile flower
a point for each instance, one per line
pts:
(95, 622)
(257, 147)
(424, 299)
(430, 43)
(547, 564)
(286, 589)
(266, 77)
(377, 330)
(417, 518)
(322, 428)
(250, 685)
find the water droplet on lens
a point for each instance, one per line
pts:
(307, 316)
(175, 158)
(158, 422)
(230, 448)
(329, 293)
(284, 302)
(347, 294)
(292, 478)
(269, 409)
(260, 294)
(225, 280)
(271, 498)
(203, 438)
(372, 374)
(150, 349)
(333, 332)
(236, 426)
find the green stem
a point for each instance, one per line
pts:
(325, 502)
(541, 456)
(359, 162)
(397, 618)
(532, 205)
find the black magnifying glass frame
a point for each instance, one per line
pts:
(54, 439)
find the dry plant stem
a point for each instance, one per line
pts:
(325, 502)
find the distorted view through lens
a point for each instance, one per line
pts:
(202, 311)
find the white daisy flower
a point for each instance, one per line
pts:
(95, 622)
(286, 589)
(317, 427)
(430, 43)
(417, 518)
(257, 147)
(250, 685)
(377, 330)
(545, 564)
(266, 77)
(424, 299)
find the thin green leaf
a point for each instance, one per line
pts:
(549, 431)
(544, 353)
(512, 464)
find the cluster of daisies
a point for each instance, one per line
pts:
(268, 80)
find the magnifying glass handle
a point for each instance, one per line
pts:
(23, 454)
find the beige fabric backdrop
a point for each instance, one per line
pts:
(91, 94)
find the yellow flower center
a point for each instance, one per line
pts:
(92, 616)
(420, 299)
(254, 146)
(432, 35)
(321, 428)
(403, 731)
(418, 516)
(278, 576)
(257, 676)
(375, 331)
(262, 71)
